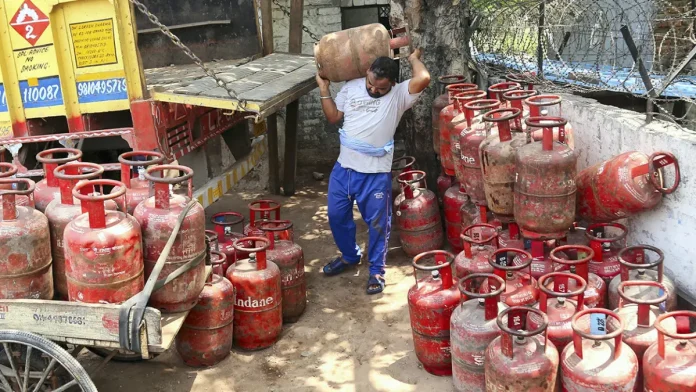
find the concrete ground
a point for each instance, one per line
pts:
(345, 341)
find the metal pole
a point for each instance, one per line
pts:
(642, 70)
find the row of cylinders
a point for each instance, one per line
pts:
(489, 338)
(91, 252)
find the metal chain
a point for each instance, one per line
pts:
(176, 41)
(286, 11)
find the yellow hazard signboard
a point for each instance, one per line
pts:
(94, 43)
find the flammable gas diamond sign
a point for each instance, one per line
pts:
(30, 22)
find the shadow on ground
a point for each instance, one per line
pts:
(345, 341)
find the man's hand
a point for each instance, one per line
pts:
(323, 83)
(416, 55)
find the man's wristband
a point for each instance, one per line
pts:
(329, 97)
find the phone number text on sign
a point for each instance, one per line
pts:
(102, 90)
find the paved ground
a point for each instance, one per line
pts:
(345, 341)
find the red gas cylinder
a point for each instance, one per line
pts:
(555, 303)
(576, 259)
(137, 187)
(206, 336)
(420, 225)
(497, 90)
(638, 317)
(542, 263)
(537, 107)
(527, 362)
(418, 182)
(431, 302)
(669, 364)
(454, 199)
(47, 189)
(25, 247)
(446, 115)
(400, 165)
(598, 360)
(224, 223)
(521, 289)
(258, 313)
(517, 98)
(640, 270)
(625, 185)
(497, 158)
(444, 182)
(462, 124)
(470, 141)
(260, 210)
(63, 210)
(103, 249)
(8, 170)
(509, 236)
(440, 102)
(473, 327)
(479, 244)
(606, 246)
(157, 216)
(289, 257)
(544, 186)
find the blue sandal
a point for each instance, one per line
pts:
(375, 280)
(336, 266)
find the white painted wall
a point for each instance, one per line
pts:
(603, 131)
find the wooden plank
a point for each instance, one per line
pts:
(267, 27)
(273, 163)
(295, 33)
(291, 119)
(71, 320)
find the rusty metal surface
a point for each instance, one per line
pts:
(668, 364)
(258, 317)
(453, 200)
(544, 190)
(598, 370)
(206, 336)
(498, 164)
(25, 255)
(157, 223)
(103, 264)
(473, 327)
(420, 227)
(289, 258)
(644, 292)
(430, 304)
(525, 362)
(608, 191)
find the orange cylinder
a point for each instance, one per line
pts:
(348, 54)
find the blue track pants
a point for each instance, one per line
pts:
(372, 191)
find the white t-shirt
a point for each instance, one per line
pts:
(371, 120)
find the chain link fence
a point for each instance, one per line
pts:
(638, 47)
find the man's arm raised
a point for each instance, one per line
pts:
(420, 78)
(333, 115)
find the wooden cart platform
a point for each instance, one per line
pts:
(90, 325)
(267, 84)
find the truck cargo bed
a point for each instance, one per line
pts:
(267, 83)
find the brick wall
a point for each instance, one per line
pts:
(317, 140)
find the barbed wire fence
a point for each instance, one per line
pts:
(642, 48)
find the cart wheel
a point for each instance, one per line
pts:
(32, 363)
(121, 355)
